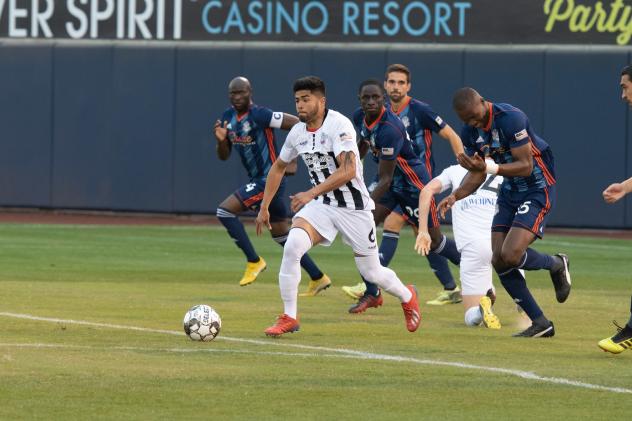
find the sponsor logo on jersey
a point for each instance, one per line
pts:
(522, 134)
(388, 151)
(480, 140)
(246, 127)
(439, 120)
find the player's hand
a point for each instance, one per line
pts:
(473, 163)
(445, 205)
(613, 193)
(221, 130)
(299, 200)
(422, 244)
(263, 220)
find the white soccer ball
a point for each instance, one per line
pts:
(473, 316)
(202, 323)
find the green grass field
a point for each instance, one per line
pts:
(148, 277)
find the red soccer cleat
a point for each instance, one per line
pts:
(284, 324)
(412, 314)
(366, 301)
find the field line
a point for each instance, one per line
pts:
(343, 352)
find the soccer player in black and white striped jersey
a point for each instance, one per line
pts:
(338, 202)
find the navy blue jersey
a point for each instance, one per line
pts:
(389, 141)
(253, 138)
(421, 121)
(508, 128)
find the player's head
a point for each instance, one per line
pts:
(309, 95)
(470, 107)
(626, 84)
(397, 82)
(371, 96)
(240, 93)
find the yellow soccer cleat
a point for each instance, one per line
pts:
(490, 320)
(447, 297)
(316, 285)
(619, 342)
(252, 271)
(356, 292)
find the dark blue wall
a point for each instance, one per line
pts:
(129, 126)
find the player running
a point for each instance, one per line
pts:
(338, 202)
(621, 340)
(420, 121)
(527, 195)
(250, 129)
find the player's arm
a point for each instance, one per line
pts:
(453, 139)
(385, 171)
(273, 181)
(288, 121)
(422, 244)
(616, 191)
(471, 182)
(223, 145)
(363, 147)
(291, 167)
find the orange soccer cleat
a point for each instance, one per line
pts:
(411, 311)
(284, 324)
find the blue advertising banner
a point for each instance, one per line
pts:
(448, 21)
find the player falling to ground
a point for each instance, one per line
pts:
(526, 198)
(621, 340)
(471, 222)
(338, 202)
(249, 128)
(401, 173)
(420, 121)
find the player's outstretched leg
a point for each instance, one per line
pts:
(371, 269)
(621, 340)
(235, 228)
(319, 281)
(298, 243)
(557, 265)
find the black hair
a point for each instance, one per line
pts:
(371, 82)
(310, 83)
(463, 98)
(627, 70)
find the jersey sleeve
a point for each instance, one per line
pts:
(445, 179)
(225, 116)
(390, 142)
(289, 151)
(515, 128)
(264, 116)
(429, 118)
(344, 139)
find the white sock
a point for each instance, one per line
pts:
(297, 244)
(371, 269)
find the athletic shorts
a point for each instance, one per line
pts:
(408, 206)
(356, 227)
(528, 210)
(476, 267)
(250, 195)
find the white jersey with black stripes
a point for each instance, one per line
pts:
(319, 150)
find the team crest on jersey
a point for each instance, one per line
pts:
(495, 136)
(405, 121)
(246, 127)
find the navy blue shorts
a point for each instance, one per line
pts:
(407, 205)
(528, 210)
(250, 195)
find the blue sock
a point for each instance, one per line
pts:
(387, 251)
(516, 286)
(439, 265)
(447, 249)
(237, 232)
(534, 260)
(306, 262)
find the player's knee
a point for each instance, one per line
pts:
(296, 245)
(498, 263)
(370, 268)
(394, 223)
(511, 257)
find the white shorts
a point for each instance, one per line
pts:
(356, 227)
(476, 267)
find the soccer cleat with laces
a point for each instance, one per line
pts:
(316, 285)
(618, 343)
(447, 297)
(253, 269)
(561, 277)
(537, 331)
(284, 324)
(490, 320)
(366, 301)
(412, 314)
(356, 292)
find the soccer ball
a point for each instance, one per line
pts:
(202, 323)
(473, 316)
